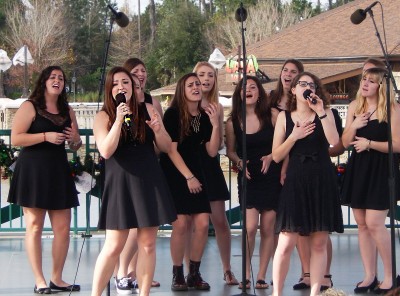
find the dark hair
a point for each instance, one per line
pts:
(138, 127)
(132, 63)
(37, 94)
(262, 110)
(376, 62)
(319, 91)
(277, 93)
(180, 102)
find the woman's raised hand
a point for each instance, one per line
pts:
(154, 122)
(212, 111)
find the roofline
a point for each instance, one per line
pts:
(356, 59)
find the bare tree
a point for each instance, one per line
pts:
(42, 28)
(152, 21)
(263, 20)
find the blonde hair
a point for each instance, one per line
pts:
(212, 96)
(378, 76)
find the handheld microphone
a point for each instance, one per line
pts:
(359, 15)
(120, 98)
(120, 18)
(306, 95)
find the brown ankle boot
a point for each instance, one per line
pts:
(178, 279)
(194, 279)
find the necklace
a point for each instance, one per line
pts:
(195, 123)
(305, 118)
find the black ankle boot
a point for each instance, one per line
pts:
(178, 279)
(194, 279)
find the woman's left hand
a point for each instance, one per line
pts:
(212, 111)
(72, 134)
(360, 144)
(266, 162)
(154, 122)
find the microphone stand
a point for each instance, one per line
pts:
(391, 181)
(242, 17)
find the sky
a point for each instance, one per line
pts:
(133, 4)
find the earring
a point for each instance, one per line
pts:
(258, 100)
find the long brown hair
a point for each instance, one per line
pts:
(38, 92)
(138, 127)
(180, 102)
(319, 91)
(277, 93)
(262, 110)
(212, 96)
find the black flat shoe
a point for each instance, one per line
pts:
(73, 288)
(366, 289)
(46, 290)
(300, 285)
(323, 288)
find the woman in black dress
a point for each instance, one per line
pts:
(263, 174)
(135, 192)
(195, 134)
(365, 186)
(309, 201)
(42, 180)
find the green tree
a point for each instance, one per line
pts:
(179, 44)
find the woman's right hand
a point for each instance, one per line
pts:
(361, 120)
(194, 185)
(55, 138)
(302, 130)
(122, 110)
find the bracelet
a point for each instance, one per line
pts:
(323, 116)
(369, 145)
(44, 137)
(238, 165)
(77, 143)
(190, 178)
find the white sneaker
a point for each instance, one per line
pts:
(123, 286)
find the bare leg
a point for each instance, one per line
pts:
(222, 232)
(251, 229)
(146, 263)
(60, 222)
(127, 253)
(178, 240)
(375, 221)
(189, 232)
(105, 263)
(267, 225)
(132, 266)
(34, 219)
(327, 281)
(304, 251)
(367, 247)
(199, 236)
(318, 241)
(286, 243)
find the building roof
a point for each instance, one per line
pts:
(329, 45)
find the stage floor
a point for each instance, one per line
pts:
(16, 275)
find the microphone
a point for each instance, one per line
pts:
(120, 18)
(306, 95)
(241, 13)
(120, 98)
(359, 15)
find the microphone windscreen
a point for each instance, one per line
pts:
(120, 98)
(241, 14)
(307, 93)
(121, 19)
(358, 16)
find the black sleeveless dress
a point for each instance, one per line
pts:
(365, 184)
(135, 193)
(42, 177)
(262, 189)
(309, 200)
(192, 150)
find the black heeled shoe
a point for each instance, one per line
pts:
(323, 288)
(70, 288)
(379, 291)
(301, 285)
(371, 287)
(46, 290)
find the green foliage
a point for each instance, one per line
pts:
(224, 7)
(180, 42)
